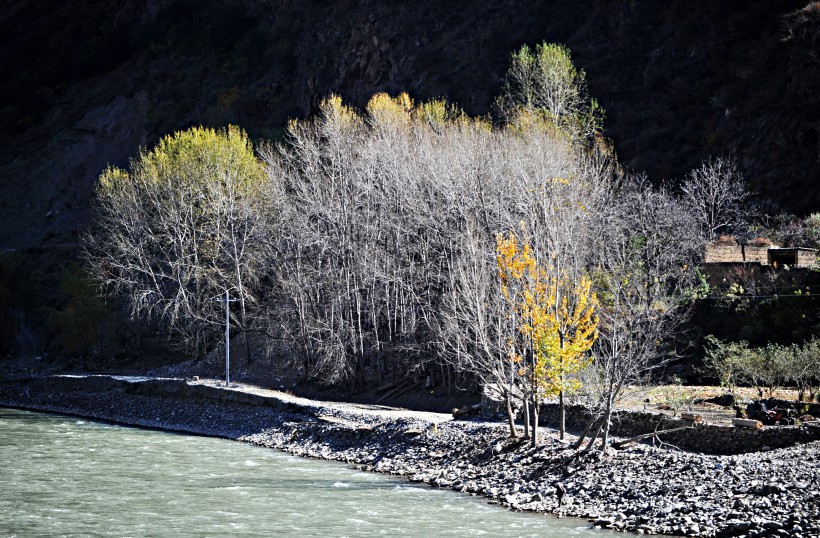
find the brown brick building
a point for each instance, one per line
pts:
(728, 250)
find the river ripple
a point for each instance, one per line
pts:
(64, 476)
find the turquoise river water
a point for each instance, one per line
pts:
(64, 476)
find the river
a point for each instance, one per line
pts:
(62, 475)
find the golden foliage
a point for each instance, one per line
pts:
(336, 112)
(386, 110)
(112, 178)
(555, 317)
(199, 159)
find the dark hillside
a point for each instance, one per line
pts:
(87, 84)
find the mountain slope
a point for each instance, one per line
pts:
(88, 85)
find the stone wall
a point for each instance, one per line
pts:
(727, 251)
(757, 278)
(756, 254)
(706, 438)
(806, 258)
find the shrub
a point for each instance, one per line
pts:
(84, 324)
(770, 367)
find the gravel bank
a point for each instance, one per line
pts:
(641, 488)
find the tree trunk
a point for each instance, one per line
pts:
(607, 420)
(510, 416)
(562, 414)
(594, 435)
(592, 423)
(526, 417)
(245, 342)
(535, 406)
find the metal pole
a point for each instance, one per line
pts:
(227, 339)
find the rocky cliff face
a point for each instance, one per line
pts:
(87, 86)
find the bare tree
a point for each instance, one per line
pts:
(361, 241)
(474, 326)
(565, 199)
(523, 180)
(645, 275)
(716, 193)
(179, 230)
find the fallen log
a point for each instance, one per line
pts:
(401, 389)
(691, 417)
(399, 386)
(391, 385)
(747, 423)
(637, 438)
(621, 444)
(466, 411)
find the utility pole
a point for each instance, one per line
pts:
(228, 302)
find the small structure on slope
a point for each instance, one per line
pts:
(727, 250)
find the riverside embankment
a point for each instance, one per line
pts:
(640, 488)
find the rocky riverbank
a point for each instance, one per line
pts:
(641, 488)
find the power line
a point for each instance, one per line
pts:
(744, 296)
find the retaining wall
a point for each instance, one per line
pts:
(706, 438)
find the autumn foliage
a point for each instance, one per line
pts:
(555, 317)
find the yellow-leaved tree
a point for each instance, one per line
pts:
(183, 226)
(555, 320)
